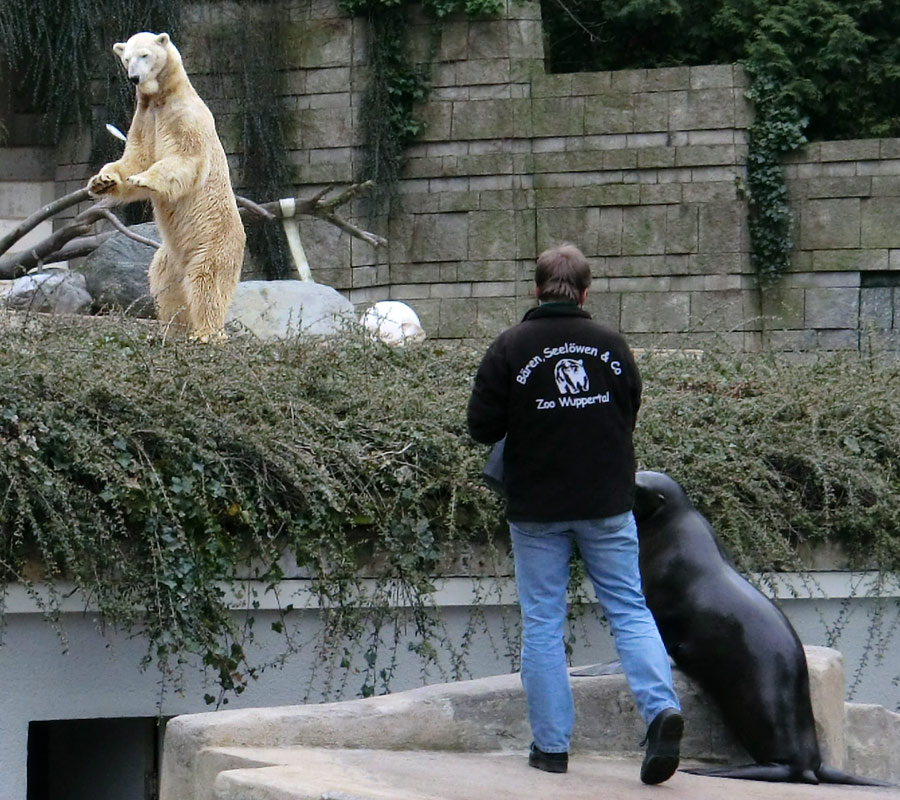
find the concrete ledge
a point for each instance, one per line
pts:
(480, 716)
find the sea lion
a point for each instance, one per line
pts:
(730, 638)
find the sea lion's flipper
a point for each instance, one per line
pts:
(775, 773)
(831, 775)
(608, 668)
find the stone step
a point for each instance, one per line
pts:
(212, 756)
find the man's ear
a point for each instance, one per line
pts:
(163, 39)
(119, 48)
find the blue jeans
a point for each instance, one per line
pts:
(609, 549)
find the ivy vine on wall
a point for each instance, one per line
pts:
(396, 84)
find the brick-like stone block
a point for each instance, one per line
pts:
(488, 40)
(325, 127)
(492, 235)
(474, 271)
(826, 224)
(790, 341)
(644, 230)
(655, 312)
(438, 121)
(590, 83)
(701, 109)
(712, 192)
(655, 157)
(825, 187)
(832, 308)
(705, 155)
(557, 116)
(482, 119)
(557, 85)
(844, 260)
(668, 79)
(474, 72)
(428, 237)
(604, 306)
(876, 308)
(20, 199)
(879, 222)
(629, 80)
(494, 315)
(849, 150)
(415, 273)
(783, 308)
(578, 225)
(651, 111)
(609, 232)
(454, 40)
(719, 310)
(660, 193)
(317, 42)
(840, 339)
(526, 39)
(722, 228)
(457, 318)
(715, 76)
(26, 163)
(610, 112)
(682, 229)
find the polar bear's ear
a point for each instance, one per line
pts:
(119, 48)
(163, 39)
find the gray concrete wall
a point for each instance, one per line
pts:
(643, 169)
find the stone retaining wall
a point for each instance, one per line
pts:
(644, 169)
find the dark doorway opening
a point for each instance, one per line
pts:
(94, 759)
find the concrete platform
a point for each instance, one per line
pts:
(322, 774)
(469, 739)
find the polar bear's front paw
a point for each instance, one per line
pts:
(141, 180)
(102, 183)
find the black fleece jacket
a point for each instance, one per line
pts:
(565, 392)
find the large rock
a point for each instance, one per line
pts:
(116, 273)
(281, 309)
(57, 291)
(872, 735)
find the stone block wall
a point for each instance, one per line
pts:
(26, 184)
(842, 292)
(643, 169)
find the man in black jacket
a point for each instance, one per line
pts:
(565, 392)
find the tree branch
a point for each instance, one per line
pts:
(119, 226)
(74, 239)
(47, 211)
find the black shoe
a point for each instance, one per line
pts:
(549, 762)
(663, 741)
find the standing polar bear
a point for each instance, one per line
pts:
(174, 157)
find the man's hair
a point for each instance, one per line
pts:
(562, 273)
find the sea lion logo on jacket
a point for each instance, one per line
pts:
(570, 376)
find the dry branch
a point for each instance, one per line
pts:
(77, 237)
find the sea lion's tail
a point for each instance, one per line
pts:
(785, 773)
(831, 775)
(774, 773)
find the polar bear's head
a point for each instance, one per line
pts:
(148, 58)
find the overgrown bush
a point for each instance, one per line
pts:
(154, 474)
